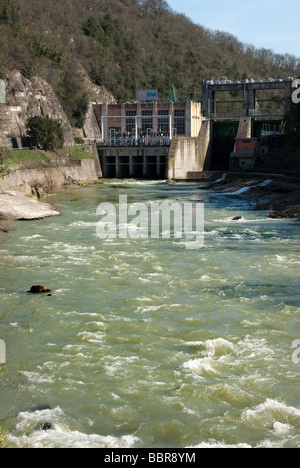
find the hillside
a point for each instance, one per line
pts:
(123, 45)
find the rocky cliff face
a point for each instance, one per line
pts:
(27, 98)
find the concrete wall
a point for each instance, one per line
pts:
(49, 177)
(193, 119)
(188, 155)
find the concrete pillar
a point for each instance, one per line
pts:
(188, 119)
(211, 103)
(288, 99)
(104, 122)
(249, 104)
(205, 107)
(139, 118)
(123, 119)
(144, 163)
(171, 119)
(155, 117)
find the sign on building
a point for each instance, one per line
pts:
(2, 92)
(147, 95)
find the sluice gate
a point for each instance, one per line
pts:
(133, 162)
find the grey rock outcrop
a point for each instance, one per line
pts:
(18, 206)
(27, 98)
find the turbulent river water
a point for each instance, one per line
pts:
(145, 343)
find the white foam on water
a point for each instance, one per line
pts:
(245, 189)
(215, 348)
(202, 366)
(36, 378)
(271, 412)
(83, 224)
(240, 191)
(220, 445)
(92, 337)
(219, 347)
(29, 433)
(194, 343)
(280, 428)
(36, 236)
(132, 182)
(265, 183)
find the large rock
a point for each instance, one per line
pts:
(28, 98)
(39, 289)
(16, 205)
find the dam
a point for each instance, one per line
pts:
(180, 140)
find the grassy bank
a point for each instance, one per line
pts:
(11, 157)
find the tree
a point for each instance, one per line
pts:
(45, 133)
(73, 97)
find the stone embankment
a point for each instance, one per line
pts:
(49, 179)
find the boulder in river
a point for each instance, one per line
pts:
(39, 289)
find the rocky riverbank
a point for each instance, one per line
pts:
(279, 195)
(15, 205)
(37, 176)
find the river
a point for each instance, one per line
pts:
(147, 343)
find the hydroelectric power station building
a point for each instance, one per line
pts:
(148, 120)
(137, 138)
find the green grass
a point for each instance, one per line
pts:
(77, 152)
(26, 155)
(68, 152)
(14, 157)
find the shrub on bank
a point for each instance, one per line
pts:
(45, 133)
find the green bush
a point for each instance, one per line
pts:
(45, 133)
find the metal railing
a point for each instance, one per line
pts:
(140, 141)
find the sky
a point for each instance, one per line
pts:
(272, 24)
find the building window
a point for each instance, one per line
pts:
(163, 112)
(130, 125)
(146, 124)
(147, 113)
(131, 113)
(163, 125)
(179, 125)
(179, 113)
